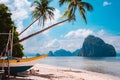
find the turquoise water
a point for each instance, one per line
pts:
(109, 65)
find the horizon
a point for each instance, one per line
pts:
(102, 22)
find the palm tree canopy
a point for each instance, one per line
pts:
(72, 6)
(42, 11)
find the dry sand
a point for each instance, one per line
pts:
(47, 72)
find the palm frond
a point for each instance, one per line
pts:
(43, 9)
(82, 13)
(36, 2)
(62, 2)
(71, 9)
(65, 13)
(88, 6)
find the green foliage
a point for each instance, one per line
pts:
(72, 7)
(6, 24)
(42, 11)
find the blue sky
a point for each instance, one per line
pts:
(103, 22)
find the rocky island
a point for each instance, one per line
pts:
(96, 47)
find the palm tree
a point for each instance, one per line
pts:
(42, 12)
(73, 5)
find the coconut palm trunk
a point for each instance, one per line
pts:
(28, 26)
(25, 38)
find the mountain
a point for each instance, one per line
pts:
(50, 53)
(63, 52)
(76, 52)
(118, 54)
(96, 47)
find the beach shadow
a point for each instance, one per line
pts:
(48, 76)
(73, 71)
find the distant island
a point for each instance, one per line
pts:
(63, 52)
(96, 47)
(92, 47)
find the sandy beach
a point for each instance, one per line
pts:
(47, 72)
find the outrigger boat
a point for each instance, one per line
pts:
(19, 65)
(12, 66)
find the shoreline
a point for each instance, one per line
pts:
(48, 72)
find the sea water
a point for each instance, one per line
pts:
(106, 65)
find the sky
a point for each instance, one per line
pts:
(103, 22)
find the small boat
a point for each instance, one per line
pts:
(11, 65)
(19, 65)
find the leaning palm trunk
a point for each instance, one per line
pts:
(29, 36)
(28, 26)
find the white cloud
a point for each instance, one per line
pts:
(71, 44)
(77, 37)
(36, 44)
(53, 44)
(57, 16)
(20, 10)
(4, 1)
(101, 32)
(106, 3)
(113, 40)
(79, 33)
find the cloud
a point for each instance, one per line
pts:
(57, 16)
(106, 3)
(53, 44)
(20, 10)
(79, 33)
(100, 33)
(36, 44)
(74, 39)
(4, 1)
(71, 44)
(113, 40)
(56, 44)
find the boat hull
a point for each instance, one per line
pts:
(19, 65)
(15, 70)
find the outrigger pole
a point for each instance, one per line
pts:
(9, 44)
